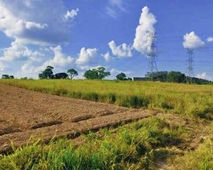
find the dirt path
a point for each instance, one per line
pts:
(24, 113)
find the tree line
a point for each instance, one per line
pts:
(174, 76)
(48, 74)
(100, 73)
(92, 74)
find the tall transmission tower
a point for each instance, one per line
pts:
(152, 53)
(190, 68)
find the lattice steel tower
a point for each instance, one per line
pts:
(190, 68)
(152, 53)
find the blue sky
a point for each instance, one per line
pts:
(115, 34)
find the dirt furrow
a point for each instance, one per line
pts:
(29, 113)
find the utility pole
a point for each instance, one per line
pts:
(190, 68)
(152, 54)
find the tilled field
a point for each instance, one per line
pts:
(24, 113)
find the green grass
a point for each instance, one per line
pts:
(200, 159)
(129, 147)
(139, 145)
(186, 99)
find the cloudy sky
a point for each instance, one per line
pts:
(115, 34)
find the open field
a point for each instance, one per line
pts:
(174, 132)
(25, 113)
(186, 99)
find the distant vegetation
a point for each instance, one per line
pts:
(6, 76)
(100, 73)
(122, 76)
(175, 77)
(96, 74)
(48, 74)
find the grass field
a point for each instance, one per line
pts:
(180, 137)
(186, 99)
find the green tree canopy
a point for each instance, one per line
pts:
(157, 76)
(47, 73)
(12, 77)
(5, 76)
(175, 76)
(98, 73)
(72, 73)
(121, 76)
(61, 76)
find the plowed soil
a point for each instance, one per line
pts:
(25, 113)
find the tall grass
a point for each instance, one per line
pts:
(187, 99)
(200, 159)
(135, 146)
(129, 147)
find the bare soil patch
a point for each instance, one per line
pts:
(25, 113)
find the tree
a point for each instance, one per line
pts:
(5, 76)
(61, 76)
(72, 73)
(121, 76)
(157, 76)
(175, 76)
(47, 73)
(11, 77)
(98, 73)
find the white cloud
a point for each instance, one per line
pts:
(2, 66)
(111, 12)
(36, 22)
(115, 71)
(86, 56)
(28, 70)
(18, 51)
(31, 25)
(122, 50)
(71, 14)
(114, 6)
(192, 41)
(107, 56)
(59, 59)
(143, 41)
(210, 39)
(204, 76)
(118, 3)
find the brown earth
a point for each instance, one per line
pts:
(24, 113)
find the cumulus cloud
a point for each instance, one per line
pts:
(192, 41)
(143, 41)
(210, 39)
(31, 25)
(59, 59)
(122, 50)
(204, 76)
(36, 22)
(28, 70)
(107, 56)
(71, 14)
(18, 51)
(86, 56)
